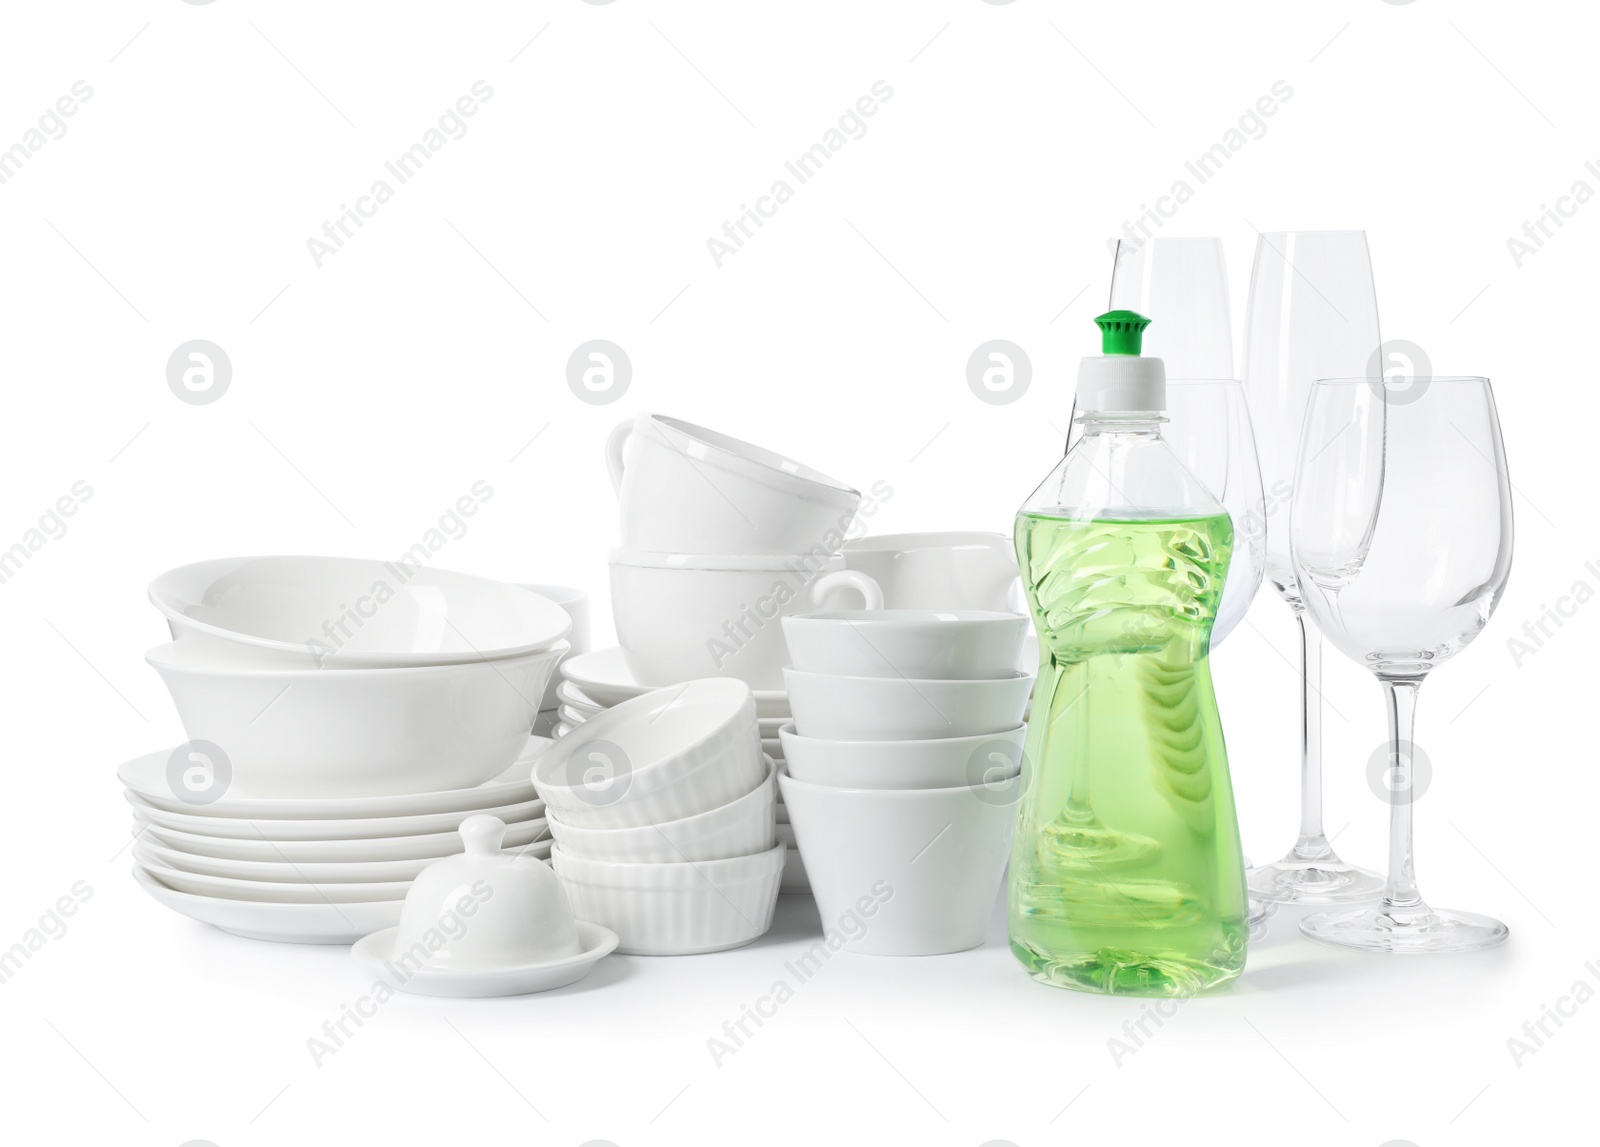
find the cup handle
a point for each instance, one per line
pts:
(620, 433)
(871, 593)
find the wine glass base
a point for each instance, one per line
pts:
(1415, 931)
(1324, 880)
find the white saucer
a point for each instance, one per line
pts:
(429, 846)
(303, 872)
(373, 952)
(603, 675)
(284, 923)
(147, 776)
(330, 829)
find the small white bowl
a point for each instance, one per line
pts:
(675, 909)
(964, 645)
(355, 611)
(670, 754)
(906, 872)
(895, 708)
(354, 732)
(739, 828)
(945, 762)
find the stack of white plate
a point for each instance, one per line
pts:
(310, 870)
(594, 682)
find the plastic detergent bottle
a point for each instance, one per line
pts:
(1126, 874)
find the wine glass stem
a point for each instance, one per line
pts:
(1401, 698)
(1312, 844)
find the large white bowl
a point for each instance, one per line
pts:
(421, 847)
(684, 616)
(904, 872)
(739, 828)
(664, 756)
(319, 923)
(675, 909)
(355, 732)
(959, 645)
(945, 762)
(354, 611)
(954, 569)
(683, 488)
(839, 708)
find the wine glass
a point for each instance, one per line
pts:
(1400, 535)
(1313, 314)
(1182, 284)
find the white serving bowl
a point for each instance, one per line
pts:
(675, 909)
(681, 487)
(957, 569)
(421, 847)
(944, 762)
(915, 871)
(355, 732)
(838, 708)
(354, 612)
(664, 756)
(739, 828)
(961, 645)
(685, 616)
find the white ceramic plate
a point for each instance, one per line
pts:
(363, 828)
(571, 717)
(151, 853)
(284, 923)
(605, 678)
(275, 892)
(147, 777)
(430, 846)
(569, 694)
(374, 952)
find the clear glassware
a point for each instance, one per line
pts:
(1400, 534)
(1182, 284)
(1313, 314)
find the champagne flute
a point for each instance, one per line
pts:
(1313, 314)
(1182, 284)
(1400, 535)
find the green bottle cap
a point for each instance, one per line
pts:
(1121, 332)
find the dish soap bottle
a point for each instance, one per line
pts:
(1126, 874)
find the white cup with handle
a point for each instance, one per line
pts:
(948, 570)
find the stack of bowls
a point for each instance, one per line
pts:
(902, 770)
(662, 809)
(365, 700)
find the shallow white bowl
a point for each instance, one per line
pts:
(739, 828)
(301, 872)
(352, 828)
(355, 732)
(423, 847)
(319, 923)
(945, 762)
(895, 708)
(675, 909)
(355, 611)
(910, 872)
(667, 755)
(960, 645)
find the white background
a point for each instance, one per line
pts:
(369, 394)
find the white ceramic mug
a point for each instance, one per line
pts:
(680, 617)
(951, 570)
(684, 489)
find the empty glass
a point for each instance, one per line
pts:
(1400, 537)
(1182, 285)
(1313, 314)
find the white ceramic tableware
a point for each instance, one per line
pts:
(160, 781)
(427, 846)
(955, 570)
(683, 488)
(300, 872)
(381, 955)
(739, 828)
(961, 645)
(838, 708)
(571, 718)
(354, 612)
(905, 872)
(670, 754)
(575, 603)
(563, 729)
(319, 923)
(352, 732)
(274, 892)
(944, 762)
(570, 696)
(684, 616)
(603, 675)
(675, 909)
(330, 828)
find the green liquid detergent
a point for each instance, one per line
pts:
(1126, 874)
